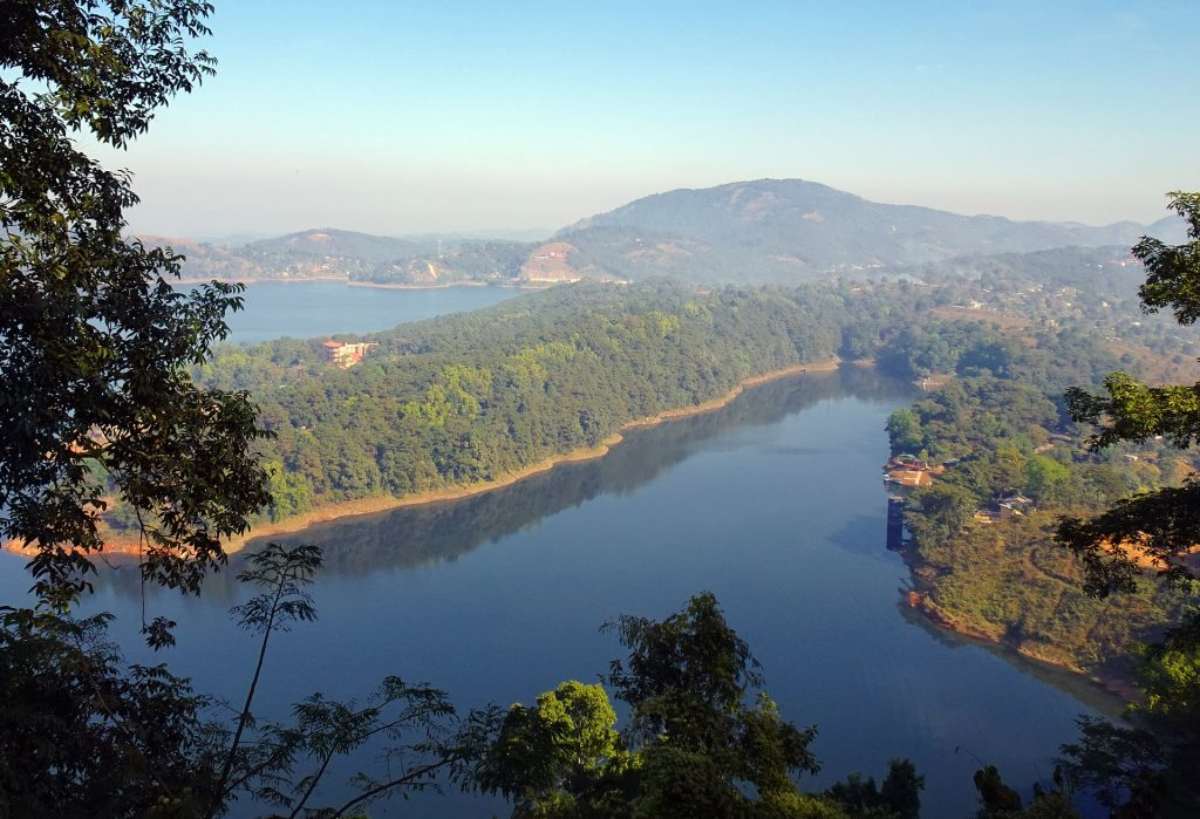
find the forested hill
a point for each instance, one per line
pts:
(792, 229)
(1108, 271)
(343, 254)
(770, 230)
(478, 396)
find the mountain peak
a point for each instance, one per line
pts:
(790, 229)
(778, 230)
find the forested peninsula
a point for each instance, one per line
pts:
(1004, 463)
(463, 404)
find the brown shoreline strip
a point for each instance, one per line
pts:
(384, 503)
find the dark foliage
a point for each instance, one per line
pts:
(1165, 524)
(84, 737)
(95, 344)
(697, 743)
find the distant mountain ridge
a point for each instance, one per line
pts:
(772, 229)
(767, 230)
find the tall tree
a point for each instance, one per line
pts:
(96, 344)
(1140, 773)
(84, 735)
(697, 742)
(96, 400)
(1164, 525)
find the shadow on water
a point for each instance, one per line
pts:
(433, 533)
(1091, 694)
(438, 532)
(442, 532)
(824, 615)
(863, 536)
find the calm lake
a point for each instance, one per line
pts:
(306, 309)
(775, 503)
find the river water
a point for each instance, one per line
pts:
(774, 503)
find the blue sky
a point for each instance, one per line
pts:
(398, 117)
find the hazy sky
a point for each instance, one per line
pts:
(399, 117)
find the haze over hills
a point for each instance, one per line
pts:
(343, 254)
(787, 229)
(768, 230)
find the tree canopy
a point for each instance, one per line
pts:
(1165, 523)
(96, 345)
(702, 738)
(1161, 770)
(98, 406)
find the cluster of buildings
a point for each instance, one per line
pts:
(908, 472)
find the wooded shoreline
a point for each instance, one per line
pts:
(922, 606)
(383, 503)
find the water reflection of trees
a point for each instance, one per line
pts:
(437, 532)
(433, 533)
(1091, 694)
